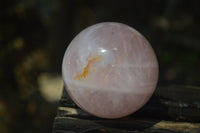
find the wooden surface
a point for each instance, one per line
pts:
(172, 109)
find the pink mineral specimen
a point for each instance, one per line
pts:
(110, 70)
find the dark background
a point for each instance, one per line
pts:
(34, 35)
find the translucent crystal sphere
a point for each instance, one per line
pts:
(110, 70)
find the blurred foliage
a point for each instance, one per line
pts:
(35, 34)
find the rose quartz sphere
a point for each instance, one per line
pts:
(110, 70)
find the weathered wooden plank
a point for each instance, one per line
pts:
(76, 121)
(160, 114)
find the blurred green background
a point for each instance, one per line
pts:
(34, 35)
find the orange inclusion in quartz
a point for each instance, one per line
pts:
(79, 75)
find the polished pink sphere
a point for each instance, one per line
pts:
(110, 70)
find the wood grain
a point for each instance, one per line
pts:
(172, 109)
